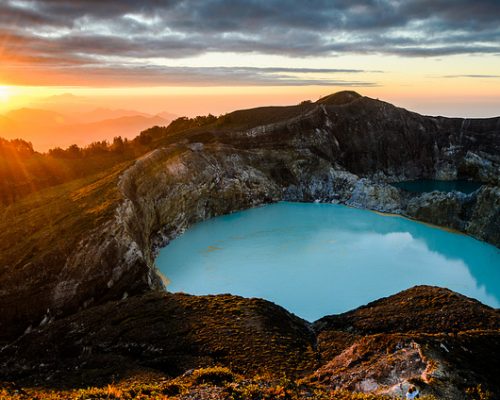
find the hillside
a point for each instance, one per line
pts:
(24, 171)
(80, 254)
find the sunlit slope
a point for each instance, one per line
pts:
(39, 231)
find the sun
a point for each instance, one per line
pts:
(4, 94)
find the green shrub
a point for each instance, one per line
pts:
(217, 376)
(478, 393)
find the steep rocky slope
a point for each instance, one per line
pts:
(345, 148)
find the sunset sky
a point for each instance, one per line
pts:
(194, 57)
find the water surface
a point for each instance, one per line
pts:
(429, 185)
(319, 259)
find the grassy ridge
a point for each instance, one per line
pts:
(61, 211)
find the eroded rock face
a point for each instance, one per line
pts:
(445, 209)
(426, 336)
(376, 196)
(484, 222)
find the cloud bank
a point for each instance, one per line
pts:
(129, 38)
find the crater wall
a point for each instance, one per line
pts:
(341, 150)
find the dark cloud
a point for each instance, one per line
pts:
(181, 76)
(472, 76)
(466, 15)
(87, 32)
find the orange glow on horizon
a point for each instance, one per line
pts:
(68, 107)
(192, 101)
(4, 94)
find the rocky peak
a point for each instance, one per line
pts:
(340, 98)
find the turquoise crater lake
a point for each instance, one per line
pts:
(320, 259)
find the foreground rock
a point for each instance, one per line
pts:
(434, 338)
(171, 333)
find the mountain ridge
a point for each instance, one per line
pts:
(54, 129)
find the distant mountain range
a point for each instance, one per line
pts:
(47, 129)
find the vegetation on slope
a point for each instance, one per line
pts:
(214, 383)
(55, 220)
(50, 202)
(24, 171)
(169, 334)
(183, 332)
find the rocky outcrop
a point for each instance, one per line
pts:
(430, 337)
(446, 209)
(477, 214)
(425, 335)
(376, 196)
(484, 221)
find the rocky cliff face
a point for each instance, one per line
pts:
(345, 148)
